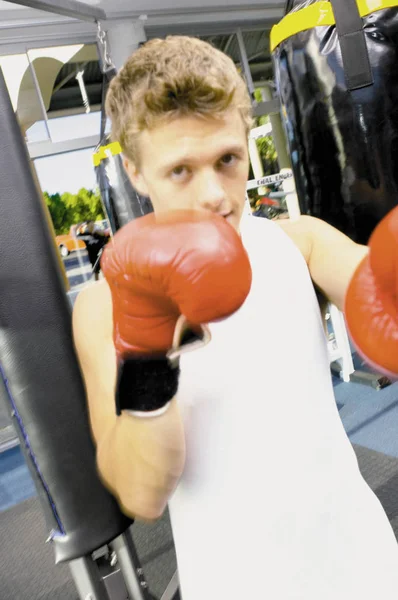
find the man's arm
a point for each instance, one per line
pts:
(332, 257)
(139, 460)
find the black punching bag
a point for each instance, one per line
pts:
(336, 66)
(121, 201)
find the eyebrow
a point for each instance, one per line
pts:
(187, 159)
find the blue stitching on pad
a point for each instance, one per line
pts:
(62, 532)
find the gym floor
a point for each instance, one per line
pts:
(28, 572)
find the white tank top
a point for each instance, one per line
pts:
(271, 504)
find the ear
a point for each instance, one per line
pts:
(136, 177)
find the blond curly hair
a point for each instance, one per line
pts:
(173, 77)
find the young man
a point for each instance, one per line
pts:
(265, 495)
(95, 242)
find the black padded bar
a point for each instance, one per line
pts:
(66, 8)
(357, 69)
(38, 362)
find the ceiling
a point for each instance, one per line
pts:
(163, 6)
(204, 16)
(22, 28)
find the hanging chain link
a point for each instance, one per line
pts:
(103, 43)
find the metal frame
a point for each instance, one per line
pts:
(39, 95)
(66, 8)
(171, 590)
(48, 148)
(128, 578)
(245, 62)
(339, 348)
(130, 567)
(205, 21)
(269, 107)
(87, 579)
(41, 29)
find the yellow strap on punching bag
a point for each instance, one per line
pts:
(318, 15)
(114, 148)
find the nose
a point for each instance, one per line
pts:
(210, 194)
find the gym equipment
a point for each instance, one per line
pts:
(44, 389)
(8, 436)
(68, 8)
(121, 201)
(335, 66)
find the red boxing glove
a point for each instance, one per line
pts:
(371, 305)
(160, 267)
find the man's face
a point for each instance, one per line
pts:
(195, 163)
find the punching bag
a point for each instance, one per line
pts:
(337, 76)
(121, 201)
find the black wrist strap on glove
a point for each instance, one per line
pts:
(146, 384)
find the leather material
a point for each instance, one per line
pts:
(43, 380)
(182, 262)
(343, 144)
(371, 304)
(121, 201)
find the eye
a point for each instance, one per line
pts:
(228, 159)
(179, 172)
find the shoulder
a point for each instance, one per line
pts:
(300, 232)
(262, 232)
(295, 227)
(92, 313)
